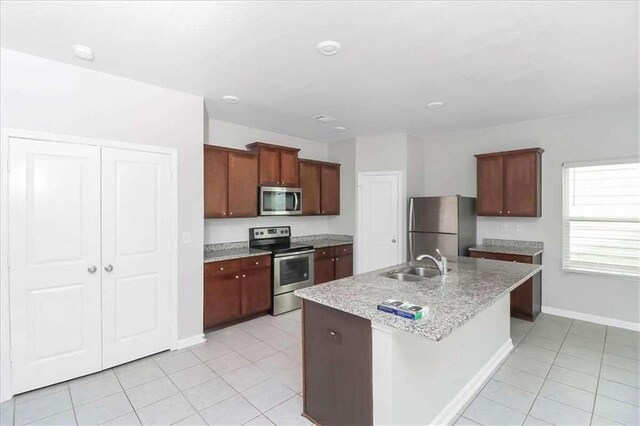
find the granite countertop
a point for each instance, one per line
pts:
(324, 240)
(470, 287)
(227, 251)
(524, 248)
(239, 249)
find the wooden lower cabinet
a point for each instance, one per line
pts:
(236, 288)
(526, 300)
(333, 263)
(337, 366)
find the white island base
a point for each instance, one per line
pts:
(422, 381)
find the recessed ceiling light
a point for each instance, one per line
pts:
(435, 105)
(324, 118)
(340, 128)
(328, 47)
(83, 52)
(230, 99)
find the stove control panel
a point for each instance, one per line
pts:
(273, 232)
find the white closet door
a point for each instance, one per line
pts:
(136, 236)
(54, 240)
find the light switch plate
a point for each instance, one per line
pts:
(505, 228)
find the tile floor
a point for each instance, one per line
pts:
(561, 372)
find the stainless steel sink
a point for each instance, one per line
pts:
(404, 277)
(422, 272)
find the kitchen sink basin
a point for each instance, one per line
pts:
(404, 277)
(414, 274)
(422, 272)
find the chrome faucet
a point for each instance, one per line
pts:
(441, 264)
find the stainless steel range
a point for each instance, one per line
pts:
(292, 265)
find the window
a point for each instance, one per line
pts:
(601, 220)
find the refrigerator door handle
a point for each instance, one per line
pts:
(410, 246)
(411, 217)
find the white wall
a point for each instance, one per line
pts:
(415, 166)
(236, 136)
(377, 153)
(43, 95)
(451, 169)
(344, 152)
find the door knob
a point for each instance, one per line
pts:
(393, 240)
(108, 268)
(92, 269)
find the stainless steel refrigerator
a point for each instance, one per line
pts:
(447, 223)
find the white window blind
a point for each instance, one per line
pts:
(601, 219)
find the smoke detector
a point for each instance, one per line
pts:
(435, 105)
(83, 52)
(231, 99)
(328, 47)
(324, 118)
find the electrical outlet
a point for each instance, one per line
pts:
(518, 228)
(186, 237)
(505, 228)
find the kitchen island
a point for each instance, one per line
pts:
(365, 366)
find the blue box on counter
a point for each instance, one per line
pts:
(389, 305)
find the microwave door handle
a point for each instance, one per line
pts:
(295, 199)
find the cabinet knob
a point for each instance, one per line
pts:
(324, 252)
(333, 260)
(257, 263)
(500, 211)
(323, 211)
(224, 214)
(244, 276)
(222, 268)
(230, 213)
(237, 277)
(318, 211)
(508, 212)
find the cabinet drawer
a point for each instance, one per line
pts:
(343, 249)
(324, 253)
(255, 262)
(221, 267)
(515, 258)
(483, 255)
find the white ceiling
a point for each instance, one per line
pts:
(492, 63)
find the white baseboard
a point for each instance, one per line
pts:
(629, 325)
(190, 341)
(449, 412)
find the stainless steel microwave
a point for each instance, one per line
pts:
(279, 201)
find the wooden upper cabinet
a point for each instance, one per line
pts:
(278, 165)
(289, 168)
(230, 183)
(310, 185)
(320, 183)
(490, 186)
(510, 183)
(330, 188)
(215, 182)
(243, 184)
(522, 184)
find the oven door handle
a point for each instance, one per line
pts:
(285, 256)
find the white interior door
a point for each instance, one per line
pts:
(136, 241)
(378, 207)
(54, 277)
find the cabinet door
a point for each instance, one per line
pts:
(222, 297)
(330, 189)
(521, 184)
(269, 166)
(256, 291)
(215, 183)
(338, 383)
(289, 168)
(323, 265)
(490, 186)
(343, 266)
(243, 185)
(310, 184)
